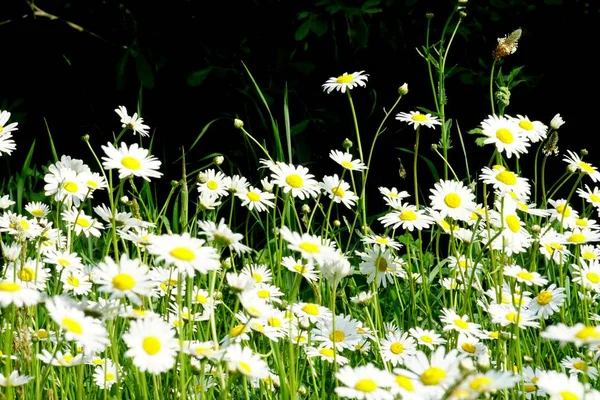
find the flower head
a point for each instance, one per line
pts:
(346, 81)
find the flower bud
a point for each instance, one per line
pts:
(305, 209)
(202, 177)
(347, 143)
(403, 90)
(556, 122)
(337, 223)
(238, 123)
(218, 160)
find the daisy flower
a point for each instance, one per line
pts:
(504, 180)
(80, 222)
(76, 281)
(7, 145)
(222, 236)
(345, 81)
(461, 324)
(534, 131)
(579, 236)
(14, 379)
(338, 190)
(507, 314)
(505, 134)
(393, 196)
(312, 247)
(406, 216)
(18, 294)
(259, 272)
(490, 382)
(577, 366)
(579, 334)
(560, 386)
(379, 264)
(245, 361)
(522, 275)
(437, 372)
(396, 347)
(135, 123)
(37, 209)
(129, 278)
(187, 254)
(88, 332)
(326, 353)
(311, 312)
(295, 180)
(152, 345)
(382, 241)
(131, 161)
(60, 359)
(548, 301)
(364, 382)
(453, 199)
(4, 128)
(575, 163)
(556, 122)
(589, 252)
(426, 337)
(343, 336)
(470, 345)
(214, 182)
(254, 198)
(346, 161)
(5, 202)
(105, 374)
(416, 119)
(563, 213)
(587, 274)
(306, 269)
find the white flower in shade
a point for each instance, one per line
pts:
(5, 202)
(254, 198)
(534, 131)
(417, 119)
(239, 282)
(152, 345)
(556, 122)
(575, 163)
(129, 278)
(406, 216)
(363, 298)
(346, 81)
(238, 183)
(578, 366)
(131, 161)
(7, 145)
(245, 361)
(88, 332)
(346, 161)
(560, 386)
(335, 267)
(221, 236)
(364, 382)
(548, 301)
(381, 266)
(18, 294)
(342, 334)
(505, 134)
(393, 197)
(326, 353)
(306, 269)
(134, 122)
(37, 209)
(396, 347)
(437, 372)
(426, 337)
(80, 222)
(453, 199)
(382, 241)
(187, 254)
(505, 181)
(338, 190)
(522, 275)
(214, 182)
(14, 379)
(312, 247)
(461, 324)
(295, 180)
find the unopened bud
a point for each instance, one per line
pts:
(174, 183)
(528, 360)
(305, 209)
(85, 138)
(202, 177)
(429, 15)
(337, 223)
(403, 90)
(466, 365)
(462, 14)
(483, 362)
(218, 160)
(583, 152)
(125, 200)
(238, 123)
(347, 143)
(226, 263)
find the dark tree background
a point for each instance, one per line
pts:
(69, 64)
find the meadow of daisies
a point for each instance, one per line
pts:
(481, 286)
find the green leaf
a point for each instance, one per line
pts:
(299, 127)
(144, 71)
(480, 141)
(303, 30)
(197, 77)
(319, 26)
(514, 73)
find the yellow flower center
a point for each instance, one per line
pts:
(72, 326)
(70, 186)
(580, 365)
(73, 281)
(366, 385)
(513, 222)
(26, 274)
(253, 196)
(257, 277)
(544, 298)
(563, 209)
(405, 383)
(123, 281)
(527, 125)
(67, 358)
(244, 368)
(309, 247)
(594, 198)
(344, 78)
(593, 277)
(566, 395)
(588, 255)
(212, 185)
(327, 352)
(529, 388)
(92, 184)
(109, 377)
(83, 222)
(461, 323)
(419, 117)
(397, 348)
(480, 384)
(37, 212)
(300, 268)
(347, 164)
(586, 167)
(427, 339)
(469, 347)
(64, 262)
(237, 330)
(526, 276)
(433, 376)
(200, 298)
(588, 332)
(408, 215)
(507, 177)
(182, 253)
(337, 336)
(513, 317)
(294, 180)
(311, 309)
(505, 136)
(9, 287)
(337, 191)
(452, 200)
(131, 163)
(274, 322)
(263, 294)
(382, 264)
(151, 345)
(582, 223)
(576, 238)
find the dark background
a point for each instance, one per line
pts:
(183, 59)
